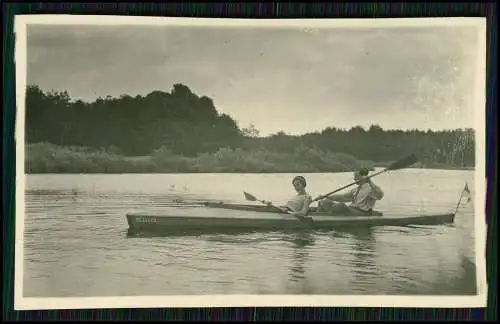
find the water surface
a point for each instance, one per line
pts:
(76, 242)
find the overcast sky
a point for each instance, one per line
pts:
(295, 80)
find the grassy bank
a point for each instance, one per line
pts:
(420, 165)
(49, 158)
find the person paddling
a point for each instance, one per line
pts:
(362, 198)
(299, 204)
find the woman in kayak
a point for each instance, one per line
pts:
(299, 204)
(362, 198)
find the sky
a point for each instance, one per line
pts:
(295, 80)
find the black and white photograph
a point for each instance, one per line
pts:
(195, 162)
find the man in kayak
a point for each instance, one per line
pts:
(299, 204)
(362, 198)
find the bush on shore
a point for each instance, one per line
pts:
(50, 158)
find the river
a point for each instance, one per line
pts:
(76, 242)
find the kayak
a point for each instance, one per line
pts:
(221, 216)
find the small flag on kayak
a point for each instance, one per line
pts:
(467, 192)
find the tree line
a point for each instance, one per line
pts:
(188, 125)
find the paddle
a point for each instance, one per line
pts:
(251, 197)
(400, 164)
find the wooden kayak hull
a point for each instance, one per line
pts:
(251, 217)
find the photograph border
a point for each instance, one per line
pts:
(22, 303)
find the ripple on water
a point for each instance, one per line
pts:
(76, 244)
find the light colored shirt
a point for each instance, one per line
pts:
(297, 202)
(364, 197)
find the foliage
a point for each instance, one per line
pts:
(50, 158)
(182, 131)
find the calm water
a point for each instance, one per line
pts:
(76, 240)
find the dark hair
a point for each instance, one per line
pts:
(363, 171)
(301, 179)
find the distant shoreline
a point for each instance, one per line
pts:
(445, 167)
(429, 166)
(180, 131)
(44, 158)
(234, 172)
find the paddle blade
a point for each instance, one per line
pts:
(403, 163)
(249, 196)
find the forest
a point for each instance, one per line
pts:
(179, 131)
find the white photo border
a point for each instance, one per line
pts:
(20, 59)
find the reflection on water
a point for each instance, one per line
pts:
(300, 255)
(77, 242)
(364, 252)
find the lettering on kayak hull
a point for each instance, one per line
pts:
(145, 220)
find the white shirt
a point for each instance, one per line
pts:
(297, 202)
(364, 197)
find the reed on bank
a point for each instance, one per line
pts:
(50, 158)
